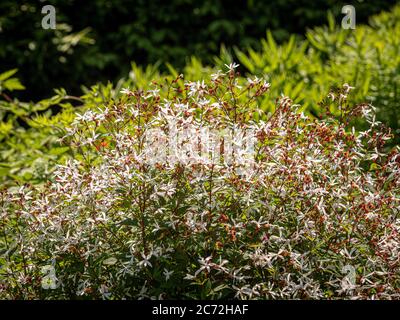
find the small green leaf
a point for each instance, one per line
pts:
(7, 74)
(110, 261)
(58, 151)
(374, 166)
(129, 222)
(13, 84)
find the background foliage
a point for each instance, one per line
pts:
(98, 40)
(367, 58)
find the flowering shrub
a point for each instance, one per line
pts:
(308, 210)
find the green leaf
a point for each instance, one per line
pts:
(171, 69)
(58, 151)
(374, 166)
(331, 21)
(220, 287)
(244, 60)
(110, 261)
(7, 74)
(13, 84)
(129, 222)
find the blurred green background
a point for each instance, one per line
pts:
(97, 40)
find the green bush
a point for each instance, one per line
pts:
(242, 204)
(92, 207)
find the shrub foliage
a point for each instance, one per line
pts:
(317, 199)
